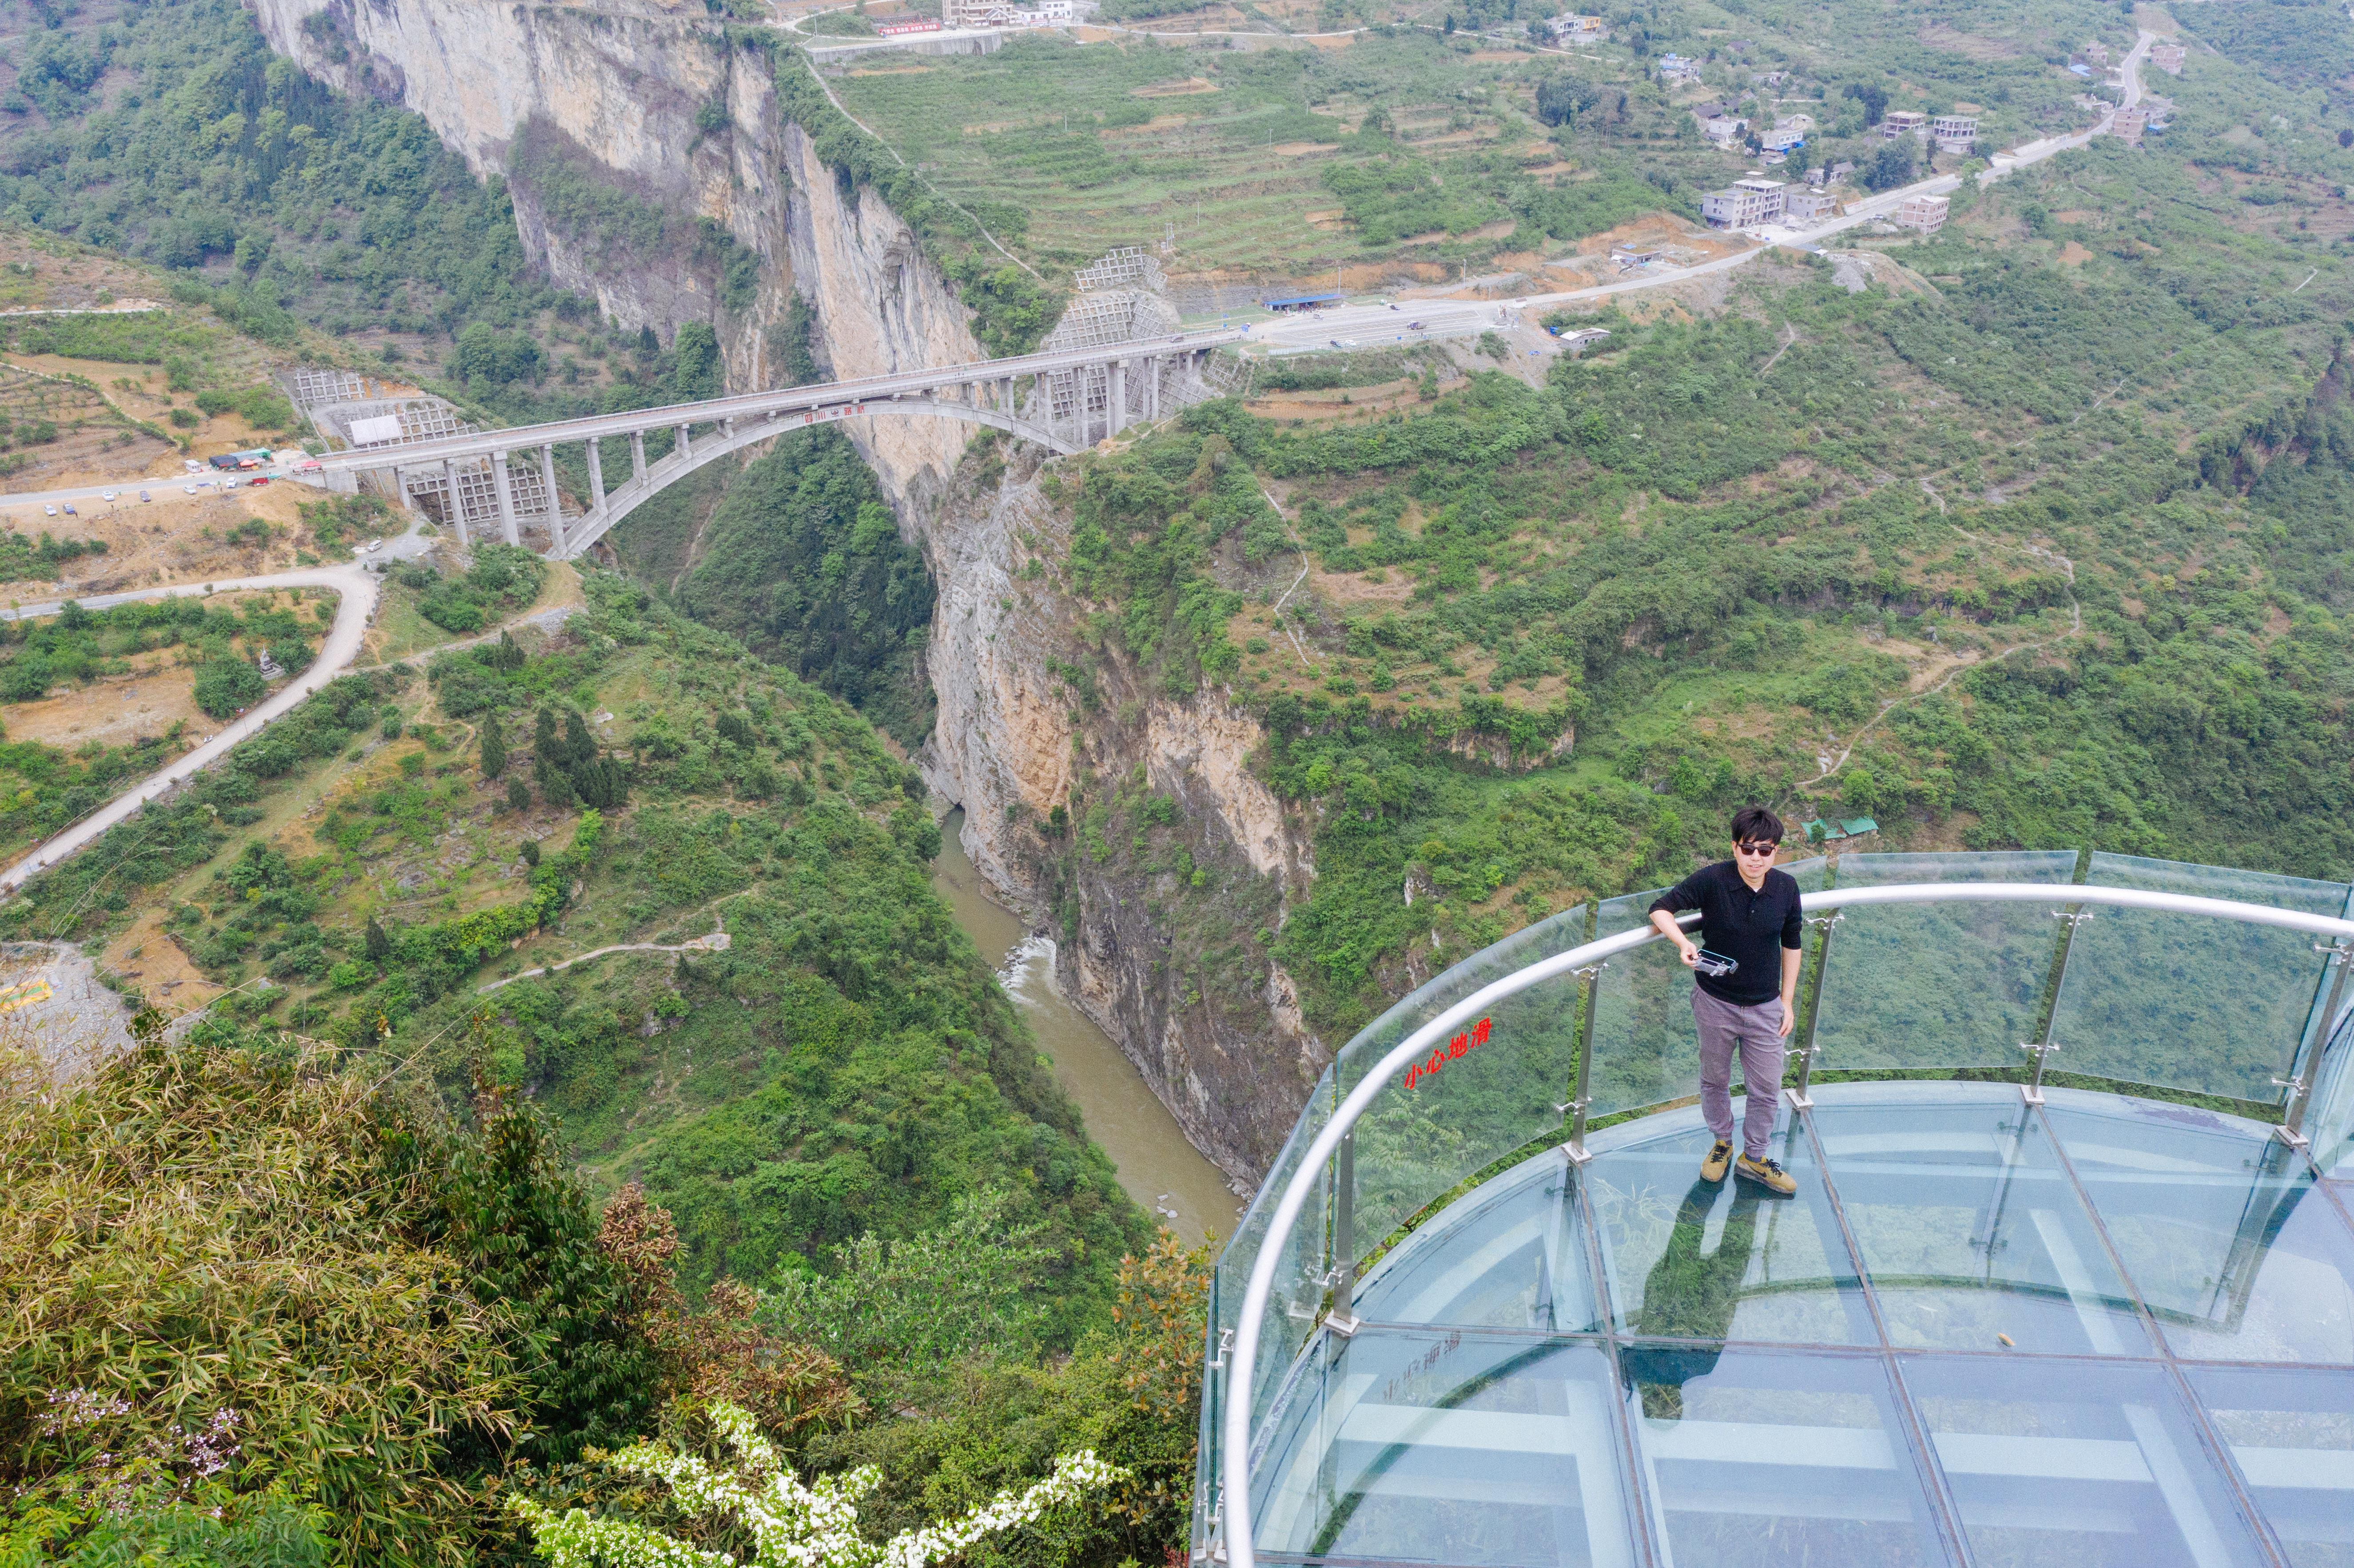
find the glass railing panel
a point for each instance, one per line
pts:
(2091, 1463)
(1299, 1280)
(2214, 1006)
(1490, 1087)
(2290, 1435)
(1937, 985)
(1645, 1052)
(1457, 1447)
(2233, 1246)
(2329, 1122)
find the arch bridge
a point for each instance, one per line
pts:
(1064, 400)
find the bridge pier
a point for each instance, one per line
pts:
(596, 478)
(555, 507)
(637, 454)
(457, 501)
(686, 440)
(506, 489)
(1116, 409)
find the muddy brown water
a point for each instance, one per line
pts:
(1159, 1168)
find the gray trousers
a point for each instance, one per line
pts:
(1725, 1027)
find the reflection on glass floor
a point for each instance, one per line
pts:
(2110, 1333)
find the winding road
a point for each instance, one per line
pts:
(356, 587)
(1379, 322)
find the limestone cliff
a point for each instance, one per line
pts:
(656, 102)
(1168, 966)
(632, 92)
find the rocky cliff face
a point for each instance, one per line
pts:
(1221, 1043)
(622, 88)
(616, 94)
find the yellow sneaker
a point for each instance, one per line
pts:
(1765, 1173)
(1712, 1168)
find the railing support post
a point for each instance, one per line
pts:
(1579, 1098)
(1342, 1318)
(2302, 1077)
(2032, 1091)
(1798, 1098)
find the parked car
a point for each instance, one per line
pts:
(1413, 326)
(375, 545)
(69, 511)
(189, 488)
(260, 479)
(108, 497)
(144, 496)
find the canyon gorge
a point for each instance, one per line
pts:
(662, 106)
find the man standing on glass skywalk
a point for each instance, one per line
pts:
(1745, 970)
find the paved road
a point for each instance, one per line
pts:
(357, 587)
(163, 487)
(1377, 323)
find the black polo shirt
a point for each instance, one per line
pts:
(1742, 926)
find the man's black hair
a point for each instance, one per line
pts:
(1757, 825)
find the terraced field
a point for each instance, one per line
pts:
(1065, 149)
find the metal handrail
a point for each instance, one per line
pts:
(1234, 1446)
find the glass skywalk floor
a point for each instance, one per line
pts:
(2109, 1333)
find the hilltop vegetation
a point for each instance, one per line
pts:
(320, 1319)
(2051, 552)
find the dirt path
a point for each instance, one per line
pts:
(717, 942)
(2075, 629)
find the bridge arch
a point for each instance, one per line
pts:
(581, 532)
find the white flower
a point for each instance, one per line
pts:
(793, 1524)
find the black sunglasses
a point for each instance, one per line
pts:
(1757, 849)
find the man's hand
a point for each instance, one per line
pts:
(1789, 1017)
(1665, 924)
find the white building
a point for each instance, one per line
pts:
(1925, 213)
(1745, 204)
(1954, 132)
(1675, 67)
(1788, 136)
(1574, 30)
(1897, 122)
(1724, 130)
(1810, 207)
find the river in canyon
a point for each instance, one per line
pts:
(1159, 1168)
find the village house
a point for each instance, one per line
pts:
(1724, 129)
(1897, 122)
(1807, 206)
(1743, 205)
(1954, 132)
(1925, 213)
(2167, 58)
(1574, 30)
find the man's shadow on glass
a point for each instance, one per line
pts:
(1691, 1294)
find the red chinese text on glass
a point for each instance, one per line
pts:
(1454, 1050)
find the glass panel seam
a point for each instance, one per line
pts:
(2217, 1449)
(1916, 1435)
(1846, 1234)
(2219, 1454)
(1632, 1495)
